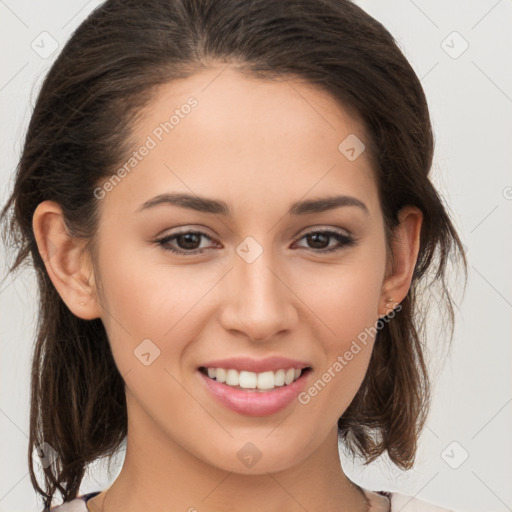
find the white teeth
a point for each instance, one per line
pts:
(290, 374)
(252, 380)
(266, 380)
(220, 374)
(232, 378)
(247, 380)
(279, 377)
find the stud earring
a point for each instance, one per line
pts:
(388, 306)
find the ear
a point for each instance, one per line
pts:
(67, 264)
(405, 246)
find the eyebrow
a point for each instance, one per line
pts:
(214, 206)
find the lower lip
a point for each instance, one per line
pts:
(252, 402)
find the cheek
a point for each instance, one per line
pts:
(347, 303)
(350, 313)
(146, 297)
(346, 299)
(150, 307)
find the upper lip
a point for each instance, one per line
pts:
(256, 365)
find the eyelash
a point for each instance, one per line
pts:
(345, 240)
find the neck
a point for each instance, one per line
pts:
(159, 474)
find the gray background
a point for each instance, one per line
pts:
(470, 96)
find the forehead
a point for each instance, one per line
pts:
(223, 133)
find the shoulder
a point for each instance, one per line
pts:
(76, 505)
(403, 503)
(387, 501)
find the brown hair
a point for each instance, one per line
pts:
(81, 130)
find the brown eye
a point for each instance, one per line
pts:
(188, 242)
(319, 241)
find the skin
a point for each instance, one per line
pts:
(258, 145)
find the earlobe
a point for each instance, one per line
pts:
(65, 261)
(405, 248)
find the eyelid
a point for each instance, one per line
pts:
(186, 228)
(190, 229)
(306, 231)
(163, 239)
(344, 240)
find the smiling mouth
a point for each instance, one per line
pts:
(252, 381)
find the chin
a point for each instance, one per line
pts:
(256, 457)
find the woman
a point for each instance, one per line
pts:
(229, 210)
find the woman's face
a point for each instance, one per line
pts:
(265, 284)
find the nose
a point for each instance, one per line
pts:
(258, 300)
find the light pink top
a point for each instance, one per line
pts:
(380, 501)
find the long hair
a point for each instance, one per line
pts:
(81, 129)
